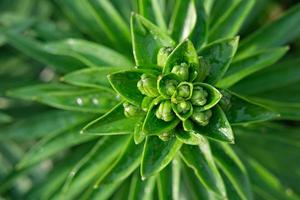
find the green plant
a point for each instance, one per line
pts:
(179, 119)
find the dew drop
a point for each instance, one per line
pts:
(79, 101)
(95, 101)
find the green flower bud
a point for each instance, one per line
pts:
(130, 110)
(148, 85)
(202, 118)
(182, 71)
(165, 136)
(162, 56)
(171, 87)
(183, 91)
(199, 97)
(183, 107)
(165, 111)
(146, 103)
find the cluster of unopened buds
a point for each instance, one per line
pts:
(177, 92)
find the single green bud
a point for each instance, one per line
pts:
(146, 103)
(182, 71)
(202, 118)
(199, 97)
(130, 110)
(183, 107)
(183, 91)
(162, 56)
(165, 136)
(148, 85)
(171, 87)
(165, 111)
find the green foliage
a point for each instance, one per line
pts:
(149, 99)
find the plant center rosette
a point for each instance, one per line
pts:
(172, 98)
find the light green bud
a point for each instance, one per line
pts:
(202, 118)
(130, 110)
(165, 111)
(148, 85)
(183, 107)
(171, 87)
(199, 97)
(182, 71)
(183, 91)
(162, 56)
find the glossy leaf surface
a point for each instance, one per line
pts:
(200, 159)
(218, 56)
(145, 33)
(158, 154)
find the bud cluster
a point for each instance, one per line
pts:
(179, 97)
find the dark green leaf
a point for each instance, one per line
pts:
(189, 21)
(52, 144)
(54, 122)
(69, 98)
(230, 23)
(240, 110)
(113, 122)
(37, 51)
(94, 78)
(158, 154)
(286, 29)
(218, 56)
(233, 169)
(127, 162)
(89, 53)
(144, 32)
(141, 189)
(200, 159)
(244, 67)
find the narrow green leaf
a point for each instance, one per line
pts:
(218, 56)
(164, 183)
(219, 9)
(233, 169)
(94, 78)
(89, 53)
(144, 32)
(287, 111)
(285, 73)
(218, 128)
(244, 67)
(97, 163)
(153, 10)
(52, 144)
(125, 164)
(125, 83)
(111, 22)
(201, 161)
(286, 29)
(54, 122)
(264, 182)
(240, 110)
(37, 51)
(230, 23)
(158, 154)
(141, 189)
(68, 98)
(189, 21)
(154, 126)
(113, 122)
